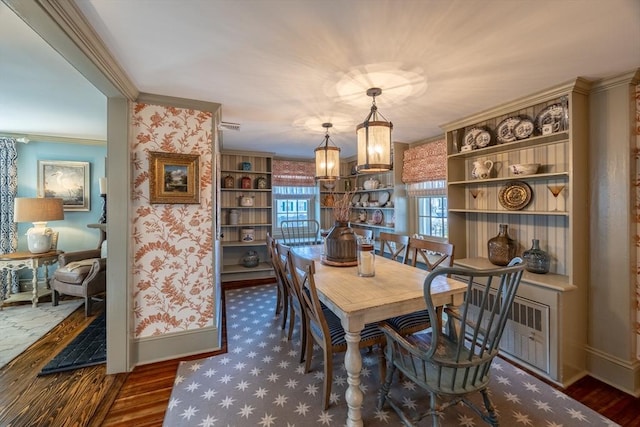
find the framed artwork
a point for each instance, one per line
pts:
(174, 178)
(66, 180)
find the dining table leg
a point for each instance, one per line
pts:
(353, 364)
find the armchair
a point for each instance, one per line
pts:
(455, 361)
(81, 273)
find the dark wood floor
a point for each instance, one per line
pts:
(89, 397)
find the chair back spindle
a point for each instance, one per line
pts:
(456, 358)
(300, 232)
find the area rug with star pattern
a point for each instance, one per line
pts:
(260, 382)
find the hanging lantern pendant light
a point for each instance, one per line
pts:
(327, 158)
(374, 140)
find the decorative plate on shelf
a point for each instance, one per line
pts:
(524, 129)
(364, 197)
(355, 199)
(483, 139)
(384, 198)
(554, 116)
(470, 138)
(515, 195)
(378, 217)
(504, 131)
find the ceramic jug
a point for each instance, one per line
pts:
(246, 201)
(371, 184)
(482, 170)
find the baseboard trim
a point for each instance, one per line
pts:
(621, 374)
(161, 348)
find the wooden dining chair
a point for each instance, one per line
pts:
(300, 232)
(433, 254)
(324, 327)
(395, 244)
(294, 302)
(282, 300)
(456, 360)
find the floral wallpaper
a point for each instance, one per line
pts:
(172, 243)
(637, 237)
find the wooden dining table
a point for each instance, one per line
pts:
(395, 289)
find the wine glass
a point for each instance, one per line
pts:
(555, 189)
(475, 192)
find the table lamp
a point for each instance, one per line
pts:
(39, 211)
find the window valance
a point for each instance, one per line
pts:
(294, 173)
(427, 162)
(427, 188)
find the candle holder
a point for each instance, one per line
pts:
(103, 218)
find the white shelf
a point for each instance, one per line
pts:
(240, 171)
(238, 243)
(376, 190)
(555, 282)
(564, 159)
(538, 176)
(247, 190)
(257, 217)
(239, 268)
(365, 225)
(246, 207)
(521, 212)
(533, 141)
(245, 225)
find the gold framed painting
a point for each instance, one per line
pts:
(67, 180)
(174, 178)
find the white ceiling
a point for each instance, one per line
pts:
(282, 67)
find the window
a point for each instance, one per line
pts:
(287, 209)
(432, 216)
(431, 202)
(293, 203)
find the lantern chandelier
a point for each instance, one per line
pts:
(374, 140)
(327, 158)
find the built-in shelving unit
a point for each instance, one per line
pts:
(555, 346)
(255, 170)
(380, 217)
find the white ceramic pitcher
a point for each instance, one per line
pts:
(482, 170)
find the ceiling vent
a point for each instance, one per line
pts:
(228, 126)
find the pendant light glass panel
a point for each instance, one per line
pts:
(327, 163)
(327, 158)
(374, 147)
(374, 140)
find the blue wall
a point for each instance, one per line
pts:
(74, 234)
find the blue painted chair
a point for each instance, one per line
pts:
(456, 360)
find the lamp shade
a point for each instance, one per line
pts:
(38, 209)
(374, 140)
(327, 159)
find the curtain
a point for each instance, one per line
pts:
(8, 191)
(424, 169)
(427, 162)
(293, 173)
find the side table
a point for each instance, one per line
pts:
(19, 260)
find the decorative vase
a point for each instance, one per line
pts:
(501, 248)
(341, 244)
(537, 260)
(234, 217)
(251, 259)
